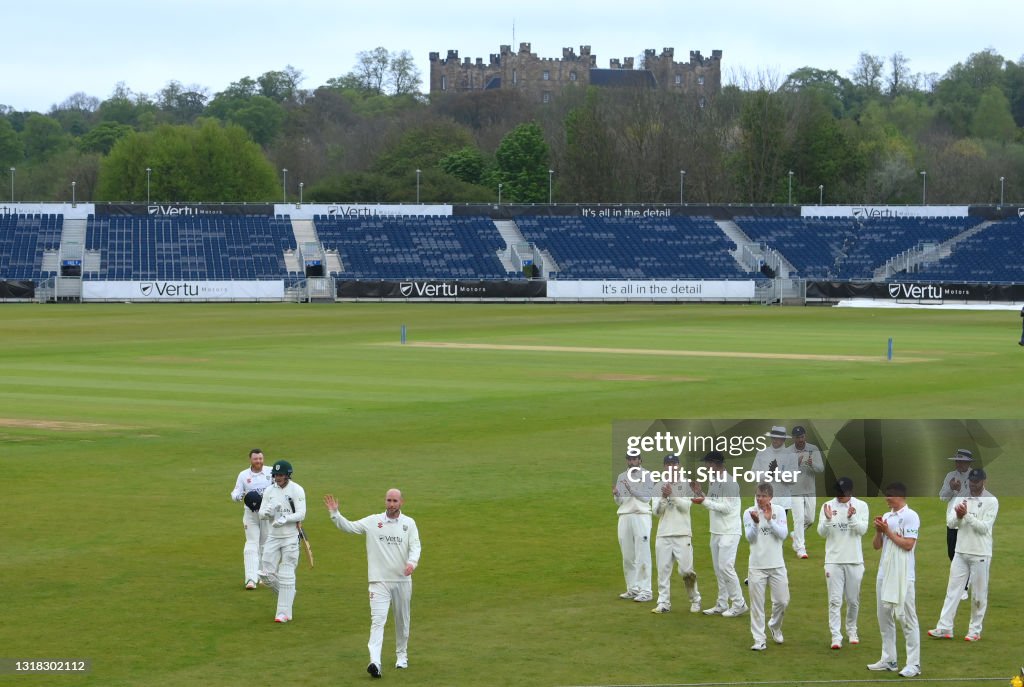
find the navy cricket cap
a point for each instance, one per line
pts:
(976, 475)
(799, 431)
(844, 486)
(671, 458)
(714, 457)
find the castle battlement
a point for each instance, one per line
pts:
(545, 77)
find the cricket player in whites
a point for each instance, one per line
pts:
(843, 522)
(392, 553)
(284, 505)
(765, 529)
(249, 488)
(674, 543)
(974, 516)
(802, 493)
(632, 493)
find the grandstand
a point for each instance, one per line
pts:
(994, 254)
(634, 248)
(846, 247)
(396, 247)
(187, 247)
(58, 252)
(24, 242)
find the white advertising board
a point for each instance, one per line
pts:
(182, 290)
(357, 210)
(882, 211)
(653, 289)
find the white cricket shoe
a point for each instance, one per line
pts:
(883, 665)
(661, 608)
(628, 594)
(281, 618)
(735, 611)
(760, 646)
(643, 597)
(714, 610)
(250, 584)
(695, 607)
(911, 671)
(373, 669)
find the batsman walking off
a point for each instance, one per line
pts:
(392, 553)
(249, 488)
(284, 504)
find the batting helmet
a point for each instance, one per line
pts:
(253, 499)
(282, 467)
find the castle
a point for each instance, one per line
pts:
(545, 77)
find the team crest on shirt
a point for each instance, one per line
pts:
(405, 528)
(379, 524)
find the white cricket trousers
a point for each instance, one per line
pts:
(280, 558)
(256, 531)
(382, 596)
(965, 567)
(908, 624)
(843, 583)
(777, 581)
(668, 552)
(804, 510)
(723, 559)
(635, 542)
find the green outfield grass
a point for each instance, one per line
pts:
(123, 427)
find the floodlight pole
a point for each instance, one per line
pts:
(1002, 180)
(499, 193)
(682, 185)
(551, 174)
(73, 184)
(924, 187)
(790, 187)
(821, 194)
(149, 171)
(417, 187)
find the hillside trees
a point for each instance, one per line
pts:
(208, 161)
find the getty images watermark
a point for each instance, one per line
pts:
(806, 451)
(644, 481)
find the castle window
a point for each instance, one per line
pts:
(515, 77)
(572, 76)
(546, 97)
(444, 82)
(679, 79)
(703, 102)
(700, 80)
(547, 75)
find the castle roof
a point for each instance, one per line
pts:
(622, 78)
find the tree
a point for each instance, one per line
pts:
(42, 137)
(102, 137)
(281, 86)
(12, 151)
(992, 118)
(759, 159)
(180, 104)
(371, 70)
(208, 161)
(403, 77)
(589, 152)
(867, 74)
(522, 164)
(466, 164)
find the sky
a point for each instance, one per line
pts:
(54, 49)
